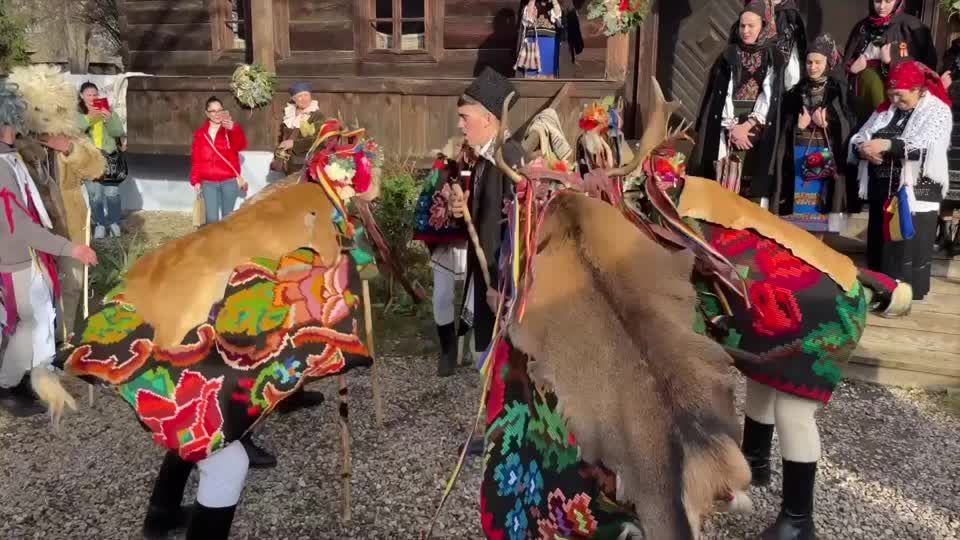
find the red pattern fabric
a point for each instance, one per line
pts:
(911, 74)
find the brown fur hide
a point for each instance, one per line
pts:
(609, 322)
(174, 286)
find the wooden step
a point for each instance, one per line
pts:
(921, 349)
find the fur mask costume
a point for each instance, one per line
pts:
(51, 99)
(674, 445)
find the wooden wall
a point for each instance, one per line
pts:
(408, 118)
(175, 37)
(409, 106)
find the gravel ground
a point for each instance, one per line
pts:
(891, 468)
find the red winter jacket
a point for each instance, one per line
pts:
(205, 164)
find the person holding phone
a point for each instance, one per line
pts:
(215, 161)
(105, 129)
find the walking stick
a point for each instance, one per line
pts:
(345, 440)
(371, 349)
(474, 237)
(86, 285)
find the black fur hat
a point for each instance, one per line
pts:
(491, 89)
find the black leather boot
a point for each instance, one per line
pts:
(757, 440)
(210, 523)
(164, 514)
(301, 399)
(259, 458)
(447, 361)
(795, 521)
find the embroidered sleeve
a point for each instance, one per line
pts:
(762, 106)
(727, 117)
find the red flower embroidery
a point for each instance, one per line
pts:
(815, 159)
(189, 422)
(733, 242)
(439, 212)
(781, 267)
(775, 309)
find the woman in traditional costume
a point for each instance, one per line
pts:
(791, 39)
(538, 54)
(902, 154)
(816, 129)
(885, 37)
(301, 119)
(739, 116)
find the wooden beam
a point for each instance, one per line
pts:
(644, 67)
(261, 17)
(618, 55)
(547, 88)
(281, 27)
(562, 94)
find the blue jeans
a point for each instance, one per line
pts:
(105, 207)
(219, 198)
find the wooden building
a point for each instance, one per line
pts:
(397, 66)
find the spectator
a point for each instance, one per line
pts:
(904, 145)
(215, 161)
(104, 128)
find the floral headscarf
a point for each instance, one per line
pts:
(765, 9)
(826, 46)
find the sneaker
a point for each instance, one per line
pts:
(115, 230)
(99, 233)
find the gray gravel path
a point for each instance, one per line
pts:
(891, 468)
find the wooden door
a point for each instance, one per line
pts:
(701, 28)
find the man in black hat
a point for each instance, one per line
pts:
(480, 109)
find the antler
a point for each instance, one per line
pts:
(656, 131)
(498, 156)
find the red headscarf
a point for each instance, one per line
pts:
(877, 20)
(911, 74)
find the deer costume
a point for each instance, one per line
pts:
(595, 429)
(271, 305)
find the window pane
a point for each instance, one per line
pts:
(384, 35)
(413, 36)
(235, 23)
(384, 9)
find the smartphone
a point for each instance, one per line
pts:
(101, 103)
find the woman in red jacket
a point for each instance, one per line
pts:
(215, 161)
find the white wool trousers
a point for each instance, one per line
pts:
(794, 418)
(444, 293)
(222, 476)
(32, 342)
(449, 263)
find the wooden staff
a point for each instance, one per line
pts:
(375, 374)
(474, 237)
(345, 440)
(86, 289)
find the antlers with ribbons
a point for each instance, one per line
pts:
(655, 132)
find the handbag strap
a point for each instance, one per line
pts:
(217, 152)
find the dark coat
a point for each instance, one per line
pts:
(710, 116)
(840, 122)
(491, 190)
(903, 28)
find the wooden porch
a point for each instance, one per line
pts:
(922, 349)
